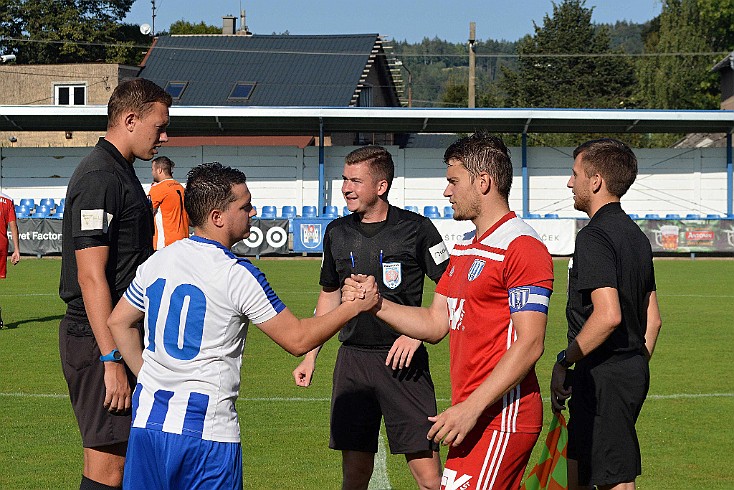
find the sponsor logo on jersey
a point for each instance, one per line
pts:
(439, 253)
(451, 272)
(450, 482)
(311, 235)
(519, 298)
(392, 274)
(476, 269)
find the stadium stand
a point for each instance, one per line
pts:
(28, 202)
(309, 212)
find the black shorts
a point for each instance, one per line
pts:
(604, 407)
(365, 390)
(84, 374)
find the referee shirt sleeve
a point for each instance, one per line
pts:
(329, 276)
(595, 260)
(95, 209)
(432, 253)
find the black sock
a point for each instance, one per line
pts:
(88, 484)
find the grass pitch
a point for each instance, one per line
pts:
(685, 429)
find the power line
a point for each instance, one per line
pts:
(362, 53)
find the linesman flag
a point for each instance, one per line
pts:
(551, 471)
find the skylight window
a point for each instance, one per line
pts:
(176, 89)
(242, 91)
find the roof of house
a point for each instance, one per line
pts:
(286, 70)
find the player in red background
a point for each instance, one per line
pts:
(7, 220)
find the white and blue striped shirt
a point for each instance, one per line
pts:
(197, 297)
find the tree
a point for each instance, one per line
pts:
(67, 31)
(568, 62)
(677, 75)
(183, 27)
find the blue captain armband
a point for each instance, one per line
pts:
(529, 298)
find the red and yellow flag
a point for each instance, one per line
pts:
(551, 471)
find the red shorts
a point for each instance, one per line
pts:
(488, 460)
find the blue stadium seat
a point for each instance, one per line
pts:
(413, 209)
(61, 207)
(551, 215)
(41, 212)
(534, 216)
(48, 202)
(22, 212)
(431, 212)
(672, 216)
(330, 212)
(713, 216)
(309, 212)
(63, 201)
(58, 214)
(693, 216)
(28, 202)
(346, 211)
(652, 216)
(448, 212)
(289, 212)
(633, 216)
(268, 212)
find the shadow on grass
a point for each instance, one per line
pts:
(13, 325)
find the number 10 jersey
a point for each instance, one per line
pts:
(197, 297)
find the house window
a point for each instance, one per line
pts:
(70, 94)
(365, 96)
(176, 89)
(242, 91)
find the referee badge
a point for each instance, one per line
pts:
(476, 269)
(392, 274)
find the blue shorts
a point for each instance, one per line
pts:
(159, 460)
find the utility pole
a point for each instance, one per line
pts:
(472, 65)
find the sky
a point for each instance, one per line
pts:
(410, 20)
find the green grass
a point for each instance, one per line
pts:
(686, 440)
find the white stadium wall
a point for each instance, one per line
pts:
(670, 180)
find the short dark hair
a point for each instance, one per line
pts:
(137, 95)
(483, 152)
(611, 159)
(165, 164)
(379, 160)
(208, 187)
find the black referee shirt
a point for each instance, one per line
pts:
(406, 249)
(105, 206)
(611, 251)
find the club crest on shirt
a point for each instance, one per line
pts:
(476, 269)
(519, 298)
(392, 274)
(311, 235)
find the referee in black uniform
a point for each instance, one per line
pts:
(613, 323)
(107, 234)
(378, 372)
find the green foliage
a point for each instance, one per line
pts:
(184, 27)
(67, 31)
(677, 75)
(568, 62)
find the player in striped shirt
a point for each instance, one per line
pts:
(197, 299)
(492, 301)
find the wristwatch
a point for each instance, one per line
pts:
(113, 356)
(562, 360)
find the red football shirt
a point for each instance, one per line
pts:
(476, 284)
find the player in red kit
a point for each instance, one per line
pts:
(492, 301)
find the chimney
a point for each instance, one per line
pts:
(229, 25)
